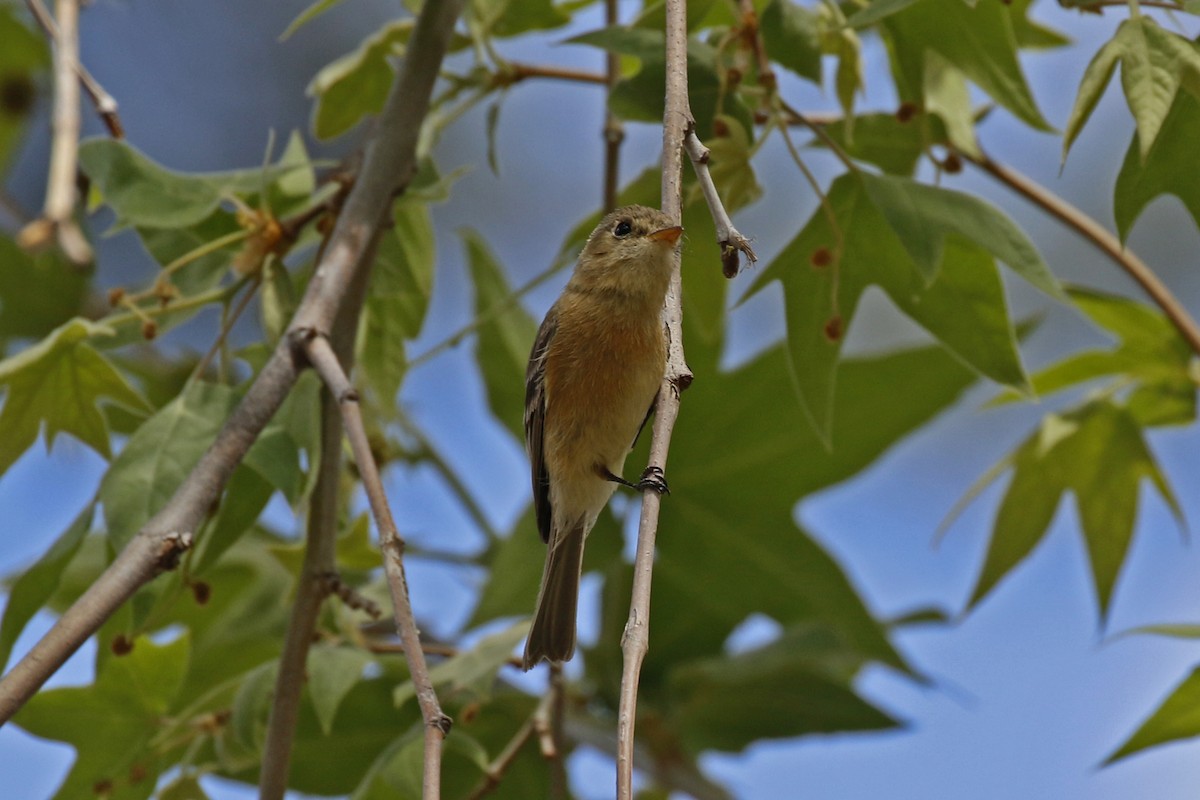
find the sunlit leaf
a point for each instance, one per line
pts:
(332, 672)
(1178, 717)
(791, 34)
(357, 84)
(56, 386)
(1164, 168)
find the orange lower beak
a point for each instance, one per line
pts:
(668, 235)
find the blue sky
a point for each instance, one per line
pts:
(1029, 696)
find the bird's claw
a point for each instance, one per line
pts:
(653, 478)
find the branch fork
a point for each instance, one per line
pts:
(729, 237)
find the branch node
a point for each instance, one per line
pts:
(682, 381)
(172, 547)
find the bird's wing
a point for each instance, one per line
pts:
(535, 421)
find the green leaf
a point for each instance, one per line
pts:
(357, 84)
(980, 41)
(1096, 452)
(397, 299)
(964, 306)
(29, 592)
(514, 17)
(791, 34)
(880, 139)
(1032, 35)
(470, 676)
(730, 168)
(796, 685)
(184, 787)
(37, 292)
(1177, 718)
(1154, 63)
(332, 673)
(22, 58)
(306, 16)
(947, 96)
(922, 216)
(111, 723)
(59, 383)
(877, 10)
(1164, 168)
(162, 452)
(505, 335)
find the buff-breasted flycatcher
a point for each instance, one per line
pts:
(592, 381)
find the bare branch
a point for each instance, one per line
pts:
(731, 240)
(57, 220)
(495, 770)
(635, 641)
(437, 723)
(314, 583)
(105, 103)
(389, 163)
(1098, 235)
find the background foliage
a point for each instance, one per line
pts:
(759, 634)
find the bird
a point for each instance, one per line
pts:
(592, 382)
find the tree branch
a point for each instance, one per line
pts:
(57, 218)
(313, 585)
(437, 723)
(635, 641)
(389, 163)
(105, 103)
(614, 131)
(1098, 235)
(731, 240)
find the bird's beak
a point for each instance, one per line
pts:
(668, 235)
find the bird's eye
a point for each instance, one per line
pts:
(622, 229)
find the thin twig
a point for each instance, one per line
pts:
(494, 772)
(429, 649)
(635, 641)
(731, 240)
(437, 723)
(57, 220)
(320, 547)
(105, 103)
(1098, 235)
(614, 131)
(514, 72)
(230, 321)
(551, 737)
(389, 163)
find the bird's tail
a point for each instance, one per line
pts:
(552, 635)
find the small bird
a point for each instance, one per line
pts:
(591, 384)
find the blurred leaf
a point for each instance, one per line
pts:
(59, 383)
(947, 96)
(1178, 631)
(184, 787)
(357, 84)
(110, 723)
(162, 452)
(964, 306)
(251, 706)
(355, 550)
(306, 16)
(1096, 452)
(332, 672)
(30, 591)
(23, 56)
(1163, 168)
(640, 96)
(246, 495)
(37, 292)
(1154, 63)
(791, 34)
(797, 684)
(506, 334)
(470, 676)
(201, 272)
(880, 139)
(1177, 718)
(146, 195)
(1032, 35)
(514, 17)
(875, 11)
(397, 299)
(979, 40)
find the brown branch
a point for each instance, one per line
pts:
(57, 220)
(390, 162)
(635, 641)
(105, 103)
(496, 768)
(515, 72)
(437, 723)
(314, 583)
(731, 240)
(1098, 235)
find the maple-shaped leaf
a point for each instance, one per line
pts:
(1154, 64)
(59, 383)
